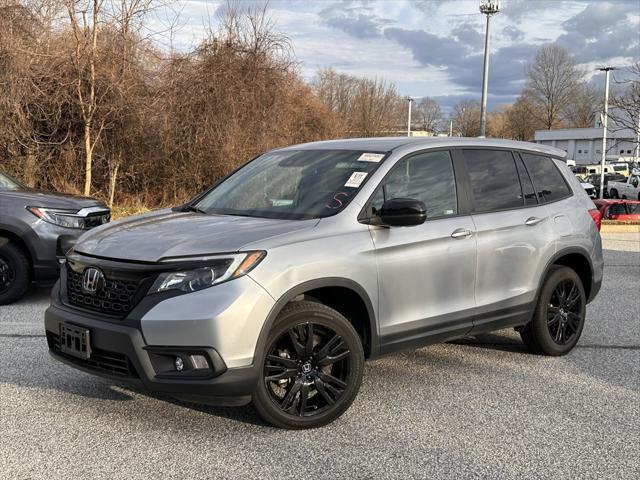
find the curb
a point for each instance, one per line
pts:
(608, 228)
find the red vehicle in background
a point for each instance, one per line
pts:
(619, 209)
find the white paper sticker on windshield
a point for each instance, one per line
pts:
(356, 179)
(371, 157)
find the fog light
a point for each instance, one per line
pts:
(179, 364)
(199, 362)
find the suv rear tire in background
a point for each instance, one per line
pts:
(309, 381)
(559, 316)
(14, 272)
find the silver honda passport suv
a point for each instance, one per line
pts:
(277, 283)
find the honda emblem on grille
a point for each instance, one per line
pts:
(92, 280)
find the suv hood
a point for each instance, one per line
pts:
(43, 198)
(164, 233)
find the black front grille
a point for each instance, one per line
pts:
(101, 360)
(116, 297)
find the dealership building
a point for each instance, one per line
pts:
(584, 145)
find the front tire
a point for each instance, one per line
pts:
(14, 273)
(311, 369)
(559, 316)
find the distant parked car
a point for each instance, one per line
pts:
(619, 209)
(590, 189)
(594, 179)
(627, 187)
(36, 227)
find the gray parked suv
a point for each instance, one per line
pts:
(36, 227)
(277, 283)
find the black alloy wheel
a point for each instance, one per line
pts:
(564, 312)
(559, 316)
(7, 275)
(306, 369)
(312, 367)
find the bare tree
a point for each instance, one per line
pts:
(466, 118)
(524, 117)
(364, 106)
(626, 103)
(580, 111)
(429, 114)
(84, 18)
(552, 79)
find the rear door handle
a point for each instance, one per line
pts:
(461, 233)
(533, 221)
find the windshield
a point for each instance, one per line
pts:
(8, 183)
(293, 184)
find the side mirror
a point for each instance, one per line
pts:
(403, 212)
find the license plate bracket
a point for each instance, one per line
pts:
(75, 341)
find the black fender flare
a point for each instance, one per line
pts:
(24, 234)
(561, 253)
(312, 285)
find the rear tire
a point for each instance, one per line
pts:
(311, 369)
(614, 193)
(14, 273)
(559, 316)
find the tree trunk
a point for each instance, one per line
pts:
(112, 183)
(88, 151)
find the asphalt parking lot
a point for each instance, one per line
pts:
(477, 408)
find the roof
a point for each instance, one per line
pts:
(387, 144)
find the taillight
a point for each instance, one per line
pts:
(597, 217)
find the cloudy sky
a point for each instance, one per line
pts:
(434, 47)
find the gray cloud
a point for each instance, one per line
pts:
(513, 33)
(467, 34)
(463, 62)
(358, 25)
(602, 31)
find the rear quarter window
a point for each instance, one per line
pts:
(547, 179)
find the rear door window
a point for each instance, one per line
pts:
(494, 180)
(547, 179)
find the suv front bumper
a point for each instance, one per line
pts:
(120, 352)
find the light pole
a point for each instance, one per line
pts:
(606, 71)
(488, 8)
(410, 100)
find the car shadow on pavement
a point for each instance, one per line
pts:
(244, 414)
(492, 341)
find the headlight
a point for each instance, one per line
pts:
(216, 269)
(60, 217)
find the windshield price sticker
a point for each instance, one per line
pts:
(356, 179)
(371, 157)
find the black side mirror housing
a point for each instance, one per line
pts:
(403, 212)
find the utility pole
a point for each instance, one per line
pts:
(488, 8)
(410, 100)
(605, 117)
(637, 155)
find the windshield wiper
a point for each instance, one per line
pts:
(193, 208)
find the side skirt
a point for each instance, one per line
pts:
(442, 329)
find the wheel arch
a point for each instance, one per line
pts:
(21, 243)
(338, 293)
(579, 260)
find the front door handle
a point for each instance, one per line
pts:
(533, 221)
(461, 233)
